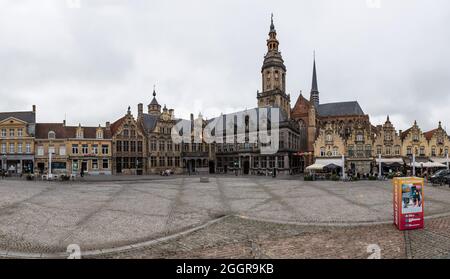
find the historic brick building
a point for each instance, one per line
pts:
(17, 132)
(325, 127)
(73, 149)
(128, 145)
(161, 153)
(246, 157)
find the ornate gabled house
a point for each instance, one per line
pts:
(388, 146)
(329, 144)
(360, 148)
(162, 153)
(438, 144)
(414, 142)
(129, 146)
(17, 132)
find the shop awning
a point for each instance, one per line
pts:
(390, 161)
(440, 160)
(320, 164)
(430, 165)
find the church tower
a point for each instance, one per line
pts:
(314, 98)
(154, 108)
(273, 74)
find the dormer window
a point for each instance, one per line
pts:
(51, 135)
(80, 134)
(99, 134)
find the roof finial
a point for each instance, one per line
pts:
(272, 26)
(440, 124)
(154, 90)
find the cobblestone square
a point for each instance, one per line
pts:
(229, 217)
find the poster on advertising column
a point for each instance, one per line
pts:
(408, 203)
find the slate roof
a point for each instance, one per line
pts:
(65, 132)
(340, 109)
(154, 101)
(149, 121)
(27, 116)
(42, 130)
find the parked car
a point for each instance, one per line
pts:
(446, 180)
(167, 172)
(439, 177)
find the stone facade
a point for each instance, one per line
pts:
(161, 153)
(17, 131)
(128, 145)
(72, 150)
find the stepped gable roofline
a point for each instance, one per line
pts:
(115, 125)
(26, 116)
(428, 135)
(405, 133)
(340, 109)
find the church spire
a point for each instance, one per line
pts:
(272, 26)
(314, 88)
(272, 42)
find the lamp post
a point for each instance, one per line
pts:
(4, 167)
(50, 164)
(343, 167)
(379, 166)
(414, 164)
(447, 162)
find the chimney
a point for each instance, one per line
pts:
(400, 132)
(171, 113)
(64, 123)
(108, 125)
(140, 110)
(192, 117)
(34, 108)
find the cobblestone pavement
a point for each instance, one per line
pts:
(240, 238)
(45, 217)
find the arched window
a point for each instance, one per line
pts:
(322, 151)
(335, 151)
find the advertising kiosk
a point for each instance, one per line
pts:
(408, 203)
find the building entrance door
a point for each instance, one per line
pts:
(246, 166)
(84, 166)
(212, 168)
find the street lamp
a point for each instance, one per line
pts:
(379, 166)
(50, 154)
(4, 162)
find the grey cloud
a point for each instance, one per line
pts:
(91, 63)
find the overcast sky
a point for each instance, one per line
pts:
(90, 62)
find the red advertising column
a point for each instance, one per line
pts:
(408, 203)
